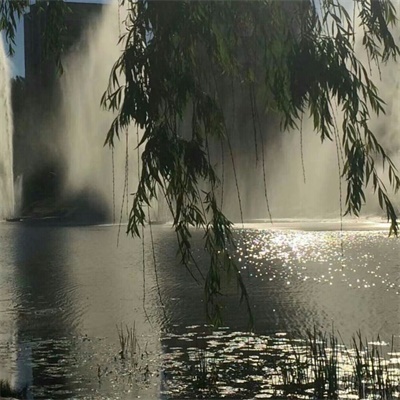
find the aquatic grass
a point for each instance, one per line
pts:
(134, 361)
(129, 365)
(129, 344)
(318, 366)
(323, 354)
(373, 378)
(204, 370)
(294, 372)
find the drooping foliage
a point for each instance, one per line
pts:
(294, 58)
(12, 10)
(304, 61)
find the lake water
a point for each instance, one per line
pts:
(65, 290)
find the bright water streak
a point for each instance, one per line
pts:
(92, 169)
(6, 139)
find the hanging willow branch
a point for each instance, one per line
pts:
(308, 58)
(54, 27)
(10, 12)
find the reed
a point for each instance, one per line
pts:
(372, 375)
(320, 366)
(129, 344)
(204, 371)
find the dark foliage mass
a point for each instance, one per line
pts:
(293, 58)
(177, 53)
(12, 10)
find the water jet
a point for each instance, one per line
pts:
(6, 139)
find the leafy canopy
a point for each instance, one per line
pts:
(176, 60)
(12, 10)
(176, 53)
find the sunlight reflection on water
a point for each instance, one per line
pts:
(63, 290)
(240, 366)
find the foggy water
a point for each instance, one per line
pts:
(63, 290)
(6, 139)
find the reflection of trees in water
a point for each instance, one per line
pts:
(184, 298)
(287, 294)
(216, 363)
(181, 295)
(296, 280)
(50, 262)
(192, 356)
(40, 261)
(72, 286)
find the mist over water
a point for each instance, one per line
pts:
(304, 180)
(301, 173)
(387, 126)
(64, 290)
(89, 164)
(6, 139)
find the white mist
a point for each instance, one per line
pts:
(302, 174)
(89, 166)
(6, 139)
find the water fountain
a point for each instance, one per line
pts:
(93, 170)
(62, 280)
(301, 175)
(6, 139)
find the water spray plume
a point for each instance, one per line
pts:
(6, 139)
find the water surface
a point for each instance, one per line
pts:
(63, 291)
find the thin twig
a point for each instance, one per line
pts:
(301, 149)
(263, 157)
